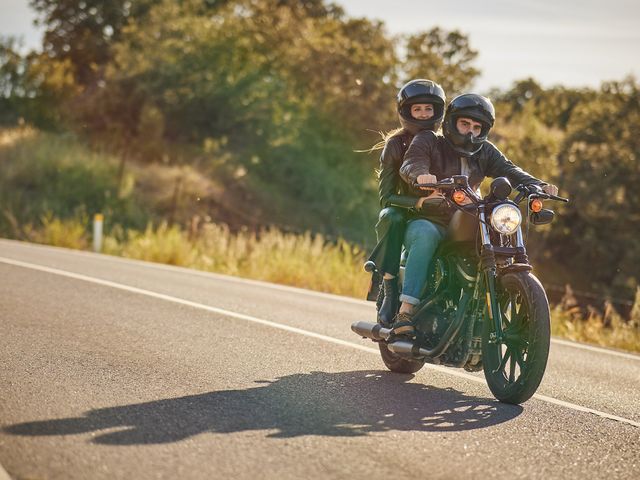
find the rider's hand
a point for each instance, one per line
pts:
(550, 189)
(434, 194)
(426, 178)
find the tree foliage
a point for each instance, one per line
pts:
(82, 32)
(446, 57)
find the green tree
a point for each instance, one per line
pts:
(82, 32)
(552, 106)
(12, 88)
(597, 232)
(445, 57)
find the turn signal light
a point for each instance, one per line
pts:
(535, 205)
(459, 196)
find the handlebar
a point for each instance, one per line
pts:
(451, 183)
(462, 182)
(535, 191)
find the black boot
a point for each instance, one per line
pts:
(389, 305)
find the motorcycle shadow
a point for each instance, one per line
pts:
(352, 403)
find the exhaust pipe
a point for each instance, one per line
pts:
(403, 347)
(374, 331)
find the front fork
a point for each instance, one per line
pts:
(489, 270)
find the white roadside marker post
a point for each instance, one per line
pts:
(97, 232)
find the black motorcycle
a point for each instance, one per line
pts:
(482, 307)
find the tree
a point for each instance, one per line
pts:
(597, 231)
(83, 31)
(441, 56)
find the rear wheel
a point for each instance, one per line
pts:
(514, 369)
(396, 363)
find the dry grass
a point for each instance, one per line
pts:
(71, 233)
(607, 330)
(11, 136)
(307, 261)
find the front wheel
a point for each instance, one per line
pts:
(514, 369)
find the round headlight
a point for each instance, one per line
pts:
(506, 218)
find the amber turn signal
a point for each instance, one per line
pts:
(535, 205)
(458, 197)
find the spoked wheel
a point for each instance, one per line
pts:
(514, 369)
(396, 363)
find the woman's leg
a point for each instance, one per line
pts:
(390, 231)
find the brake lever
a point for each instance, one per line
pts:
(559, 199)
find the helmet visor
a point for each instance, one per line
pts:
(476, 107)
(421, 89)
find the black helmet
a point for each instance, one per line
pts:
(472, 106)
(421, 91)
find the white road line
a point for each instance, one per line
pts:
(300, 331)
(591, 348)
(190, 271)
(273, 286)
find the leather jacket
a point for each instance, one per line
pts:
(392, 190)
(431, 153)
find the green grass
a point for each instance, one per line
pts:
(45, 175)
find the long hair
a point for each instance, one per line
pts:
(380, 145)
(385, 138)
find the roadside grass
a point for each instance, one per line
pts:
(70, 233)
(56, 178)
(607, 330)
(306, 261)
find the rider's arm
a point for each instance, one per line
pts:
(497, 165)
(389, 178)
(417, 160)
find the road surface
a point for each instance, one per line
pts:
(113, 368)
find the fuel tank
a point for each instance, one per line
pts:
(463, 227)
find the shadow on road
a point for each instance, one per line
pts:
(317, 403)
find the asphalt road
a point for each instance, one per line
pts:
(114, 368)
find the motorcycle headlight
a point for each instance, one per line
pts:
(506, 218)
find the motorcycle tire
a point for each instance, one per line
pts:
(396, 363)
(514, 369)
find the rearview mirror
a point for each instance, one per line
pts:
(542, 217)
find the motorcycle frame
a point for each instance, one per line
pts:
(489, 278)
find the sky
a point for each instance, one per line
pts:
(557, 42)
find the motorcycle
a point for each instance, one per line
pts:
(483, 308)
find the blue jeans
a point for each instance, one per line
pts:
(421, 239)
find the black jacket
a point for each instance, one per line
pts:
(391, 188)
(431, 153)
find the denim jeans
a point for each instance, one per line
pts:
(421, 239)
